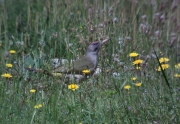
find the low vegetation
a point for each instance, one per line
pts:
(138, 81)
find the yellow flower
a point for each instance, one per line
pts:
(177, 66)
(12, 51)
(127, 87)
(6, 75)
(38, 106)
(137, 68)
(9, 65)
(161, 60)
(57, 74)
(164, 66)
(133, 78)
(177, 75)
(32, 90)
(134, 54)
(86, 71)
(29, 66)
(73, 87)
(138, 84)
(136, 62)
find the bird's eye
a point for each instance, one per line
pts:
(96, 49)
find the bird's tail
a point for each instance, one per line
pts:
(41, 71)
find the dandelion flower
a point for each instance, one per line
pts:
(127, 87)
(138, 84)
(9, 65)
(136, 62)
(38, 106)
(6, 75)
(29, 66)
(137, 68)
(32, 90)
(86, 71)
(57, 74)
(177, 75)
(134, 54)
(12, 51)
(177, 66)
(133, 78)
(73, 87)
(161, 60)
(164, 66)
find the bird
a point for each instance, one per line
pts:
(75, 72)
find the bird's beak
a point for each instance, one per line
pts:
(104, 41)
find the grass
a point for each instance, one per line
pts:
(42, 30)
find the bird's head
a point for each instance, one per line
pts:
(95, 46)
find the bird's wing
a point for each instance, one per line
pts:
(61, 69)
(76, 66)
(83, 64)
